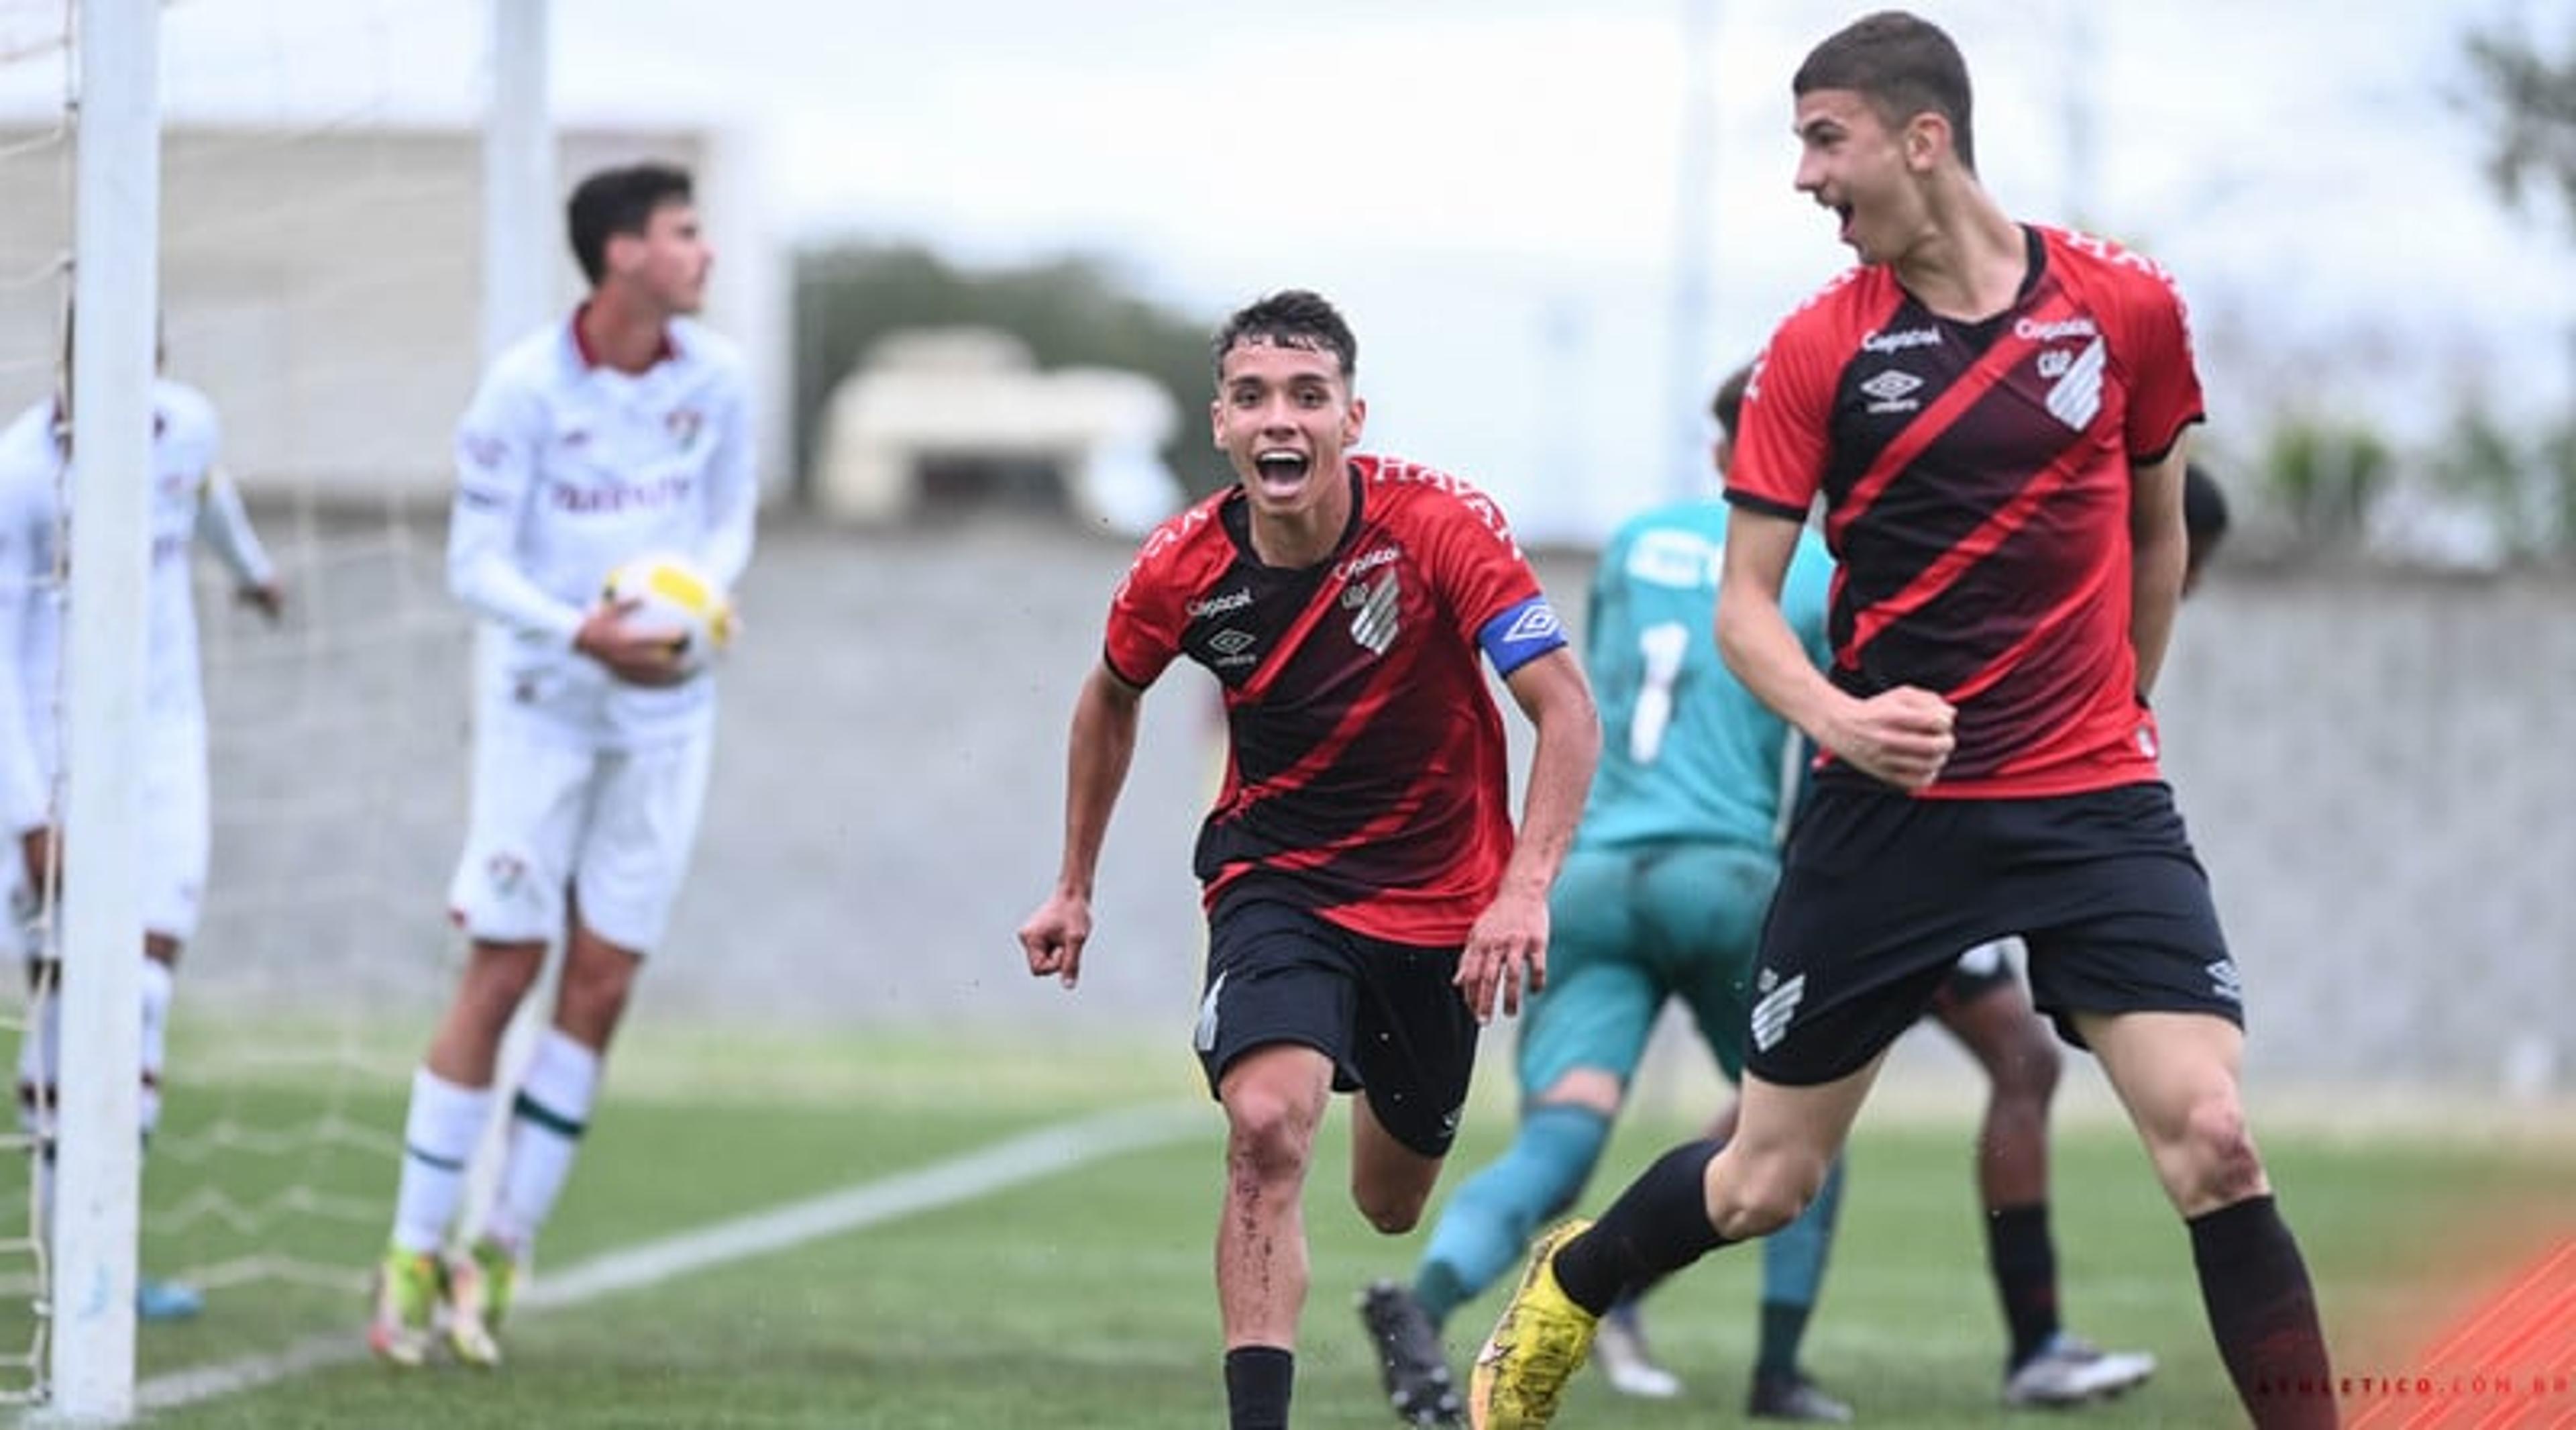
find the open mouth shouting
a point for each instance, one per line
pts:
(1282, 471)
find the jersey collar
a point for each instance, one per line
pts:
(589, 359)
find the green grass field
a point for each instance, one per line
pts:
(1083, 1298)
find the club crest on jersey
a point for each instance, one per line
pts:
(683, 425)
(1375, 601)
(2075, 395)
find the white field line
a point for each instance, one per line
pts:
(1004, 1164)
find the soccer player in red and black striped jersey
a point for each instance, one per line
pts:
(1368, 904)
(1994, 417)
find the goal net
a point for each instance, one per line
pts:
(322, 273)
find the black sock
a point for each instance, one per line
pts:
(1659, 1224)
(2264, 1314)
(2024, 1261)
(1784, 1325)
(1257, 1382)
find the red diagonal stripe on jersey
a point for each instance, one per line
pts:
(1328, 594)
(1970, 549)
(1928, 425)
(1327, 601)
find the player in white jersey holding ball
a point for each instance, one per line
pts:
(620, 431)
(191, 499)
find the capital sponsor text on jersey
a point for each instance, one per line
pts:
(1218, 605)
(1361, 565)
(622, 496)
(2031, 330)
(1901, 339)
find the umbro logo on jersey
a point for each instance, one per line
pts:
(1538, 623)
(1232, 642)
(1892, 391)
(2225, 981)
(683, 424)
(1891, 385)
(1771, 1016)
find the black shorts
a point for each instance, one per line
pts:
(1387, 1014)
(1880, 891)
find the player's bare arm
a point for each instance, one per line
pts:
(1102, 745)
(1507, 948)
(36, 857)
(637, 652)
(1902, 736)
(2159, 556)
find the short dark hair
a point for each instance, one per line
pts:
(1904, 65)
(1728, 404)
(620, 200)
(1291, 318)
(2204, 506)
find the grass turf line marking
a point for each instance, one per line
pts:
(1004, 1164)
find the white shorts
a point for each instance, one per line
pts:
(171, 879)
(612, 827)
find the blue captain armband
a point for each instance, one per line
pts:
(1524, 631)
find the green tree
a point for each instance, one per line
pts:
(2325, 475)
(1068, 310)
(2526, 101)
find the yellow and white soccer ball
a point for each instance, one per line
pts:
(671, 590)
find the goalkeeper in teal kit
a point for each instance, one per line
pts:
(1662, 897)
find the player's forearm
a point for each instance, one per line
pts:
(1754, 638)
(2157, 557)
(1102, 746)
(729, 539)
(224, 524)
(26, 795)
(1560, 777)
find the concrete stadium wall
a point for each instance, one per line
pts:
(2373, 773)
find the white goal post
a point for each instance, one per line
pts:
(116, 296)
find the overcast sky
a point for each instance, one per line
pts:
(1493, 188)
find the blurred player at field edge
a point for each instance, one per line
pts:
(1368, 905)
(621, 430)
(192, 500)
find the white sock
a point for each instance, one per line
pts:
(546, 1123)
(39, 1090)
(157, 988)
(438, 1140)
(40, 1066)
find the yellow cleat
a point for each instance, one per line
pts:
(479, 1285)
(1538, 1345)
(407, 1289)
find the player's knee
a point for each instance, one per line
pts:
(2218, 1161)
(497, 977)
(2028, 1068)
(1268, 1136)
(1392, 1210)
(1757, 1198)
